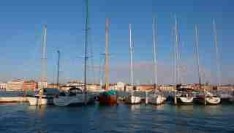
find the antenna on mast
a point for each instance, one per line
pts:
(155, 55)
(176, 52)
(86, 47)
(217, 53)
(198, 62)
(42, 84)
(131, 52)
(107, 56)
(197, 55)
(43, 58)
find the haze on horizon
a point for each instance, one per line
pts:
(21, 36)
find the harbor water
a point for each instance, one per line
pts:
(21, 118)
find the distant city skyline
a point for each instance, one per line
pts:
(21, 37)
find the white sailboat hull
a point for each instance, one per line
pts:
(186, 100)
(213, 100)
(133, 100)
(79, 99)
(157, 100)
(33, 101)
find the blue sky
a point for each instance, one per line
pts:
(21, 32)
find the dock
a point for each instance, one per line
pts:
(13, 99)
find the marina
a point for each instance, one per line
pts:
(226, 97)
(116, 66)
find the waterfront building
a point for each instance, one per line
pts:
(15, 85)
(52, 85)
(29, 85)
(76, 83)
(225, 88)
(42, 84)
(129, 88)
(167, 88)
(145, 87)
(188, 86)
(119, 86)
(93, 87)
(3, 86)
(209, 87)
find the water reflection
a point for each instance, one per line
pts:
(121, 118)
(192, 109)
(159, 107)
(135, 107)
(184, 108)
(38, 109)
(212, 109)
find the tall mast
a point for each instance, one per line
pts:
(155, 56)
(131, 52)
(176, 52)
(86, 46)
(197, 55)
(43, 69)
(217, 53)
(174, 55)
(58, 68)
(43, 59)
(107, 55)
(198, 63)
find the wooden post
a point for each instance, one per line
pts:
(204, 95)
(146, 97)
(175, 98)
(40, 97)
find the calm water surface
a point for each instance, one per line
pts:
(21, 118)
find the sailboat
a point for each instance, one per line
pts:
(131, 99)
(40, 98)
(108, 97)
(211, 98)
(206, 97)
(182, 95)
(73, 97)
(156, 98)
(230, 98)
(77, 96)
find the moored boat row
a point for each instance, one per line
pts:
(155, 98)
(77, 96)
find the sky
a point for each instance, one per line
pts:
(21, 29)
